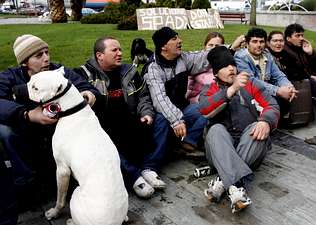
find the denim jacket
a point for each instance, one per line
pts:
(273, 77)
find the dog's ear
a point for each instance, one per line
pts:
(61, 70)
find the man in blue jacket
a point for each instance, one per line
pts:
(259, 63)
(24, 129)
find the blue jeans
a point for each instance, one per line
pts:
(15, 146)
(29, 149)
(143, 140)
(8, 204)
(195, 124)
(134, 142)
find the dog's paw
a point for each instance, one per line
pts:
(52, 213)
(126, 219)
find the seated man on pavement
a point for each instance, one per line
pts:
(126, 114)
(167, 79)
(25, 130)
(242, 115)
(299, 57)
(259, 63)
(300, 109)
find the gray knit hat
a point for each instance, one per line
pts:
(27, 45)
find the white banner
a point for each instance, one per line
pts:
(214, 13)
(155, 18)
(177, 18)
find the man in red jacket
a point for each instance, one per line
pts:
(242, 115)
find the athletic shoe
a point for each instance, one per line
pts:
(153, 179)
(142, 188)
(215, 190)
(238, 198)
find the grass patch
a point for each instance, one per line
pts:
(72, 44)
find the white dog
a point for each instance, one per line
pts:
(81, 147)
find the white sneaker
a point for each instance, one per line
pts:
(238, 198)
(153, 179)
(142, 188)
(215, 190)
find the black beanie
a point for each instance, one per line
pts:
(162, 36)
(220, 57)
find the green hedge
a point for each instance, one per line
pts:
(184, 4)
(100, 18)
(113, 14)
(310, 5)
(201, 4)
(165, 3)
(129, 23)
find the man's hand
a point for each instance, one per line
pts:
(261, 131)
(238, 43)
(293, 93)
(287, 92)
(146, 119)
(89, 97)
(180, 130)
(307, 47)
(240, 80)
(36, 116)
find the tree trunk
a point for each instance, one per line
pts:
(57, 11)
(253, 13)
(76, 7)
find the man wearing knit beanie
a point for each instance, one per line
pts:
(23, 126)
(242, 114)
(167, 78)
(162, 36)
(26, 45)
(219, 57)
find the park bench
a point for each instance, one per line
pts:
(233, 16)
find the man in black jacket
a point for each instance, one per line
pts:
(25, 130)
(298, 56)
(126, 113)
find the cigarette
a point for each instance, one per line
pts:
(182, 138)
